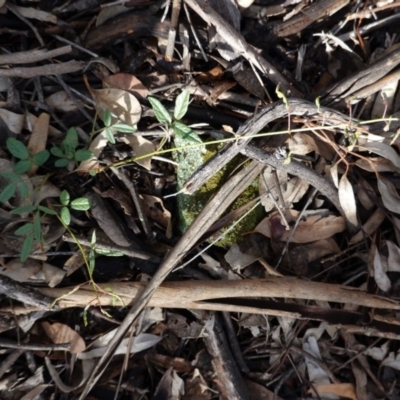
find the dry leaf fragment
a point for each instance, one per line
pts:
(124, 107)
(347, 200)
(141, 146)
(315, 227)
(61, 101)
(14, 122)
(346, 390)
(20, 271)
(239, 260)
(315, 373)
(154, 209)
(302, 144)
(292, 190)
(53, 275)
(111, 12)
(61, 333)
(38, 139)
(372, 224)
(394, 256)
(364, 190)
(96, 147)
(126, 82)
(378, 271)
(392, 361)
(380, 164)
(390, 198)
(138, 343)
(383, 150)
(33, 13)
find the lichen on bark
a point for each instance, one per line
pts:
(189, 206)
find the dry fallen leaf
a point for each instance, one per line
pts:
(154, 208)
(33, 13)
(124, 107)
(316, 374)
(372, 224)
(383, 150)
(315, 227)
(378, 270)
(347, 200)
(110, 12)
(346, 390)
(390, 198)
(301, 143)
(364, 190)
(61, 333)
(14, 122)
(21, 271)
(96, 147)
(292, 190)
(38, 139)
(392, 361)
(394, 256)
(60, 101)
(126, 82)
(141, 146)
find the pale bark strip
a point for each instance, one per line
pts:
(48, 69)
(31, 56)
(193, 294)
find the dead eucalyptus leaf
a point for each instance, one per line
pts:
(315, 227)
(383, 150)
(390, 198)
(61, 333)
(96, 147)
(14, 122)
(154, 209)
(61, 101)
(20, 271)
(110, 12)
(380, 275)
(292, 190)
(347, 200)
(124, 107)
(334, 174)
(52, 275)
(37, 141)
(394, 256)
(345, 390)
(127, 82)
(372, 224)
(33, 13)
(380, 165)
(140, 146)
(301, 143)
(365, 194)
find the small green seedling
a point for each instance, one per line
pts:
(110, 127)
(68, 150)
(79, 204)
(33, 230)
(19, 150)
(26, 161)
(163, 116)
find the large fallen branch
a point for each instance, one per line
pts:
(204, 295)
(244, 296)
